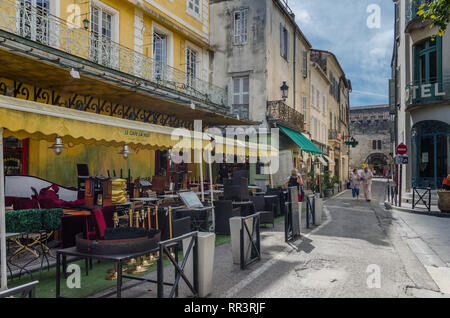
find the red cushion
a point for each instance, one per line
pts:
(25, 204)
(100, 220)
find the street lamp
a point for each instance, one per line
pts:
(58, 146)
(125, 152)
(284, 89)
(86, 23)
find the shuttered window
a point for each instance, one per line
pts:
(241, 26)
(305, 64)
(241, 88)
(284, 41)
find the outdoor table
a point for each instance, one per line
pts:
(146, 199)
(61, 256)
(259, 193)
(168, 196)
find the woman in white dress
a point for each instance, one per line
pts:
(366, 177)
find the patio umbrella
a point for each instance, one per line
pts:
(3, 276)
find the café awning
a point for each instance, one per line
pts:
(304, 143)
(27, 119)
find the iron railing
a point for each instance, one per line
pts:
(24, 291)
(428, 92)
(280, 112)
(252, 252)
(333, 134)
(412, 7)
(424, 197)
(165, 250)
(36, 24)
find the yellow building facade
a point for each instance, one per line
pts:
(136, 61)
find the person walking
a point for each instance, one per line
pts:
(366, 177)
(355, 180)
(295, 180)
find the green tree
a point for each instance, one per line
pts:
(436, 11)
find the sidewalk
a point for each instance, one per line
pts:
(419, 209)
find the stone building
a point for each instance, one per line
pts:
(420, 97)
(370, 126)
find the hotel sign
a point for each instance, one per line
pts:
(423, 91)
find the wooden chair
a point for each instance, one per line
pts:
(159, 184)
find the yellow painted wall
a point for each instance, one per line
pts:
(45, 164)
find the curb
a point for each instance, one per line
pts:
(389, 206)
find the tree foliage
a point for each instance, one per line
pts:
(438, 12)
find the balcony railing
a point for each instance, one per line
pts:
(287, 116)
(428, 92)
(412, 7)
(333, 134)
(32, 23)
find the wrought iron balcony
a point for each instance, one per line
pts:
(412, 7)
(333, 134)
(279, 112)
(31, 23)
(428, 92)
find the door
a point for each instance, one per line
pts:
(102, 47)
(160, 54)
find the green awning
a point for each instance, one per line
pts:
(304, 143)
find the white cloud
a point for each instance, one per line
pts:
(302, 16)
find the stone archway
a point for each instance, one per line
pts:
(378, 162)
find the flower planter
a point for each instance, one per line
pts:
(327, 193)
(444, 201)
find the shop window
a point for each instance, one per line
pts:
(15, 156)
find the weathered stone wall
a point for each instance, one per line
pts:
(367, 124)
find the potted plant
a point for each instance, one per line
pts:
(327, 184)
(444, 200)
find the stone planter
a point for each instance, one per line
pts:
(444, 201)
(327, 193)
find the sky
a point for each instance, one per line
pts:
(364, 53)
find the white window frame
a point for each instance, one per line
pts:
(241, 92)
(169, 35)
(114, 60)
(115, 18)
(54, 9)
(240, 35)
(192, 12)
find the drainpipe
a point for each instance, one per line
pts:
(295, 63)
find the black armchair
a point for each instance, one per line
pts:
(266, 215)
(281, 198)
(223, 212)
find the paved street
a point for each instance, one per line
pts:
(337, 258)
